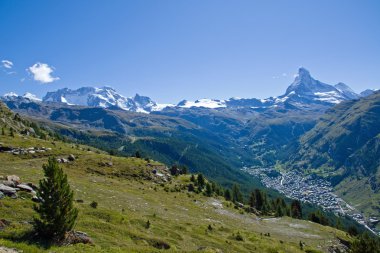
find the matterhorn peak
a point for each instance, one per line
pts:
(303, 75)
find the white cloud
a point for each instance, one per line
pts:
(42, 73)
(7, 64)
(280, 76)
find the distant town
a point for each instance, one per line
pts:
(311, 189)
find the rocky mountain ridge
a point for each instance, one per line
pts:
(303, 92)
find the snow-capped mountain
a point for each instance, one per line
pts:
(205, 102)
(306, 89)
(31, 96)
(105, 97)
(304, 92)
(28, 96)
(346, 91)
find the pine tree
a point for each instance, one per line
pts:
(296, 209)
(259, 200)
(56, 212)
(2, 131)
(174, 171)
(184, 170)
(227, 194)
(339, 224)
(279, 212)
(190, 188)
(252, 200)
(201, 180)
(236, 194)
(208, 190)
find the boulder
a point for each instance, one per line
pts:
(5, 149)
(7, 190)
(2, 195)
(74, 237)
(36, 199)
(9, 183)
(14, 178)
(71, 158)
(62, 160)
(25, 187)
(31, 130)
(34, 187)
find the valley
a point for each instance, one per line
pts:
(311, 189)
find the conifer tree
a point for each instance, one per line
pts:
(201, 180)
(227, 194)
(208, 190)
(56, 213)
(252, 200)
(184, 170)
(259, 200)
(137, 154)
(237, 196)
(296, 209)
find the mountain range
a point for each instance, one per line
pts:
(304, 91)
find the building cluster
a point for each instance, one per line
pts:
(311, 189)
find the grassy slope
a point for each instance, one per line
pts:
(127, 202)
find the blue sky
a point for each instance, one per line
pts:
(172, 50)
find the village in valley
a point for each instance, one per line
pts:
(310, 189)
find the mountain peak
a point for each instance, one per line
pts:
(346, 91)
(303, 72)
(305, 87)
(106, 97)
(31, 96)
(303, 76)
(10, 94)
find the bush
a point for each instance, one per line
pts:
(239, 237)
(147, 225)
(94, 204)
